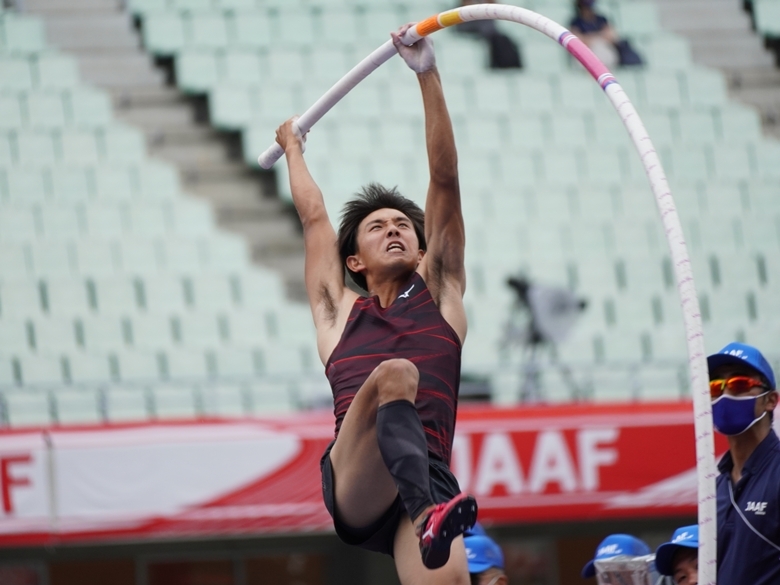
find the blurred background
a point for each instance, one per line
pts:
(150, 271)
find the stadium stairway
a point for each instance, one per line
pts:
(101, 35)
(721, 36)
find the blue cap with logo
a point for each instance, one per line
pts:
(482, 552)
(685, 537)
(615, 545)
(742, 354)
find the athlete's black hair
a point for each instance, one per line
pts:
(370, 199)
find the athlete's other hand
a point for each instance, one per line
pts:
(289, 136)
(419, 56)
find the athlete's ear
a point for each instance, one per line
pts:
(420, 256)
(355, 264)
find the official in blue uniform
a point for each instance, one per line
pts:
(744, 396)
(485, 558)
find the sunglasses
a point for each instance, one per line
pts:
(736, 385)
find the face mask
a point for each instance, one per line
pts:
(733, 415)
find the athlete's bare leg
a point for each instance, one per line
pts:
(364, 488)
(409, 565)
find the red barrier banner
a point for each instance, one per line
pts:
(250, 476)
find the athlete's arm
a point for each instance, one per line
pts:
(324, 273)
(443, 264)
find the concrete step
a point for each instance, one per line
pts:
(239, 196)
(68, 6)
(122, 70)
(735, 55)
(145, 95)
(88, 31)
(702, 15)
(171, 116)
(193, 155)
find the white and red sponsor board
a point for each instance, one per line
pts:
(250, 476)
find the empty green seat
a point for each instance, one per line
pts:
(113, 182)
(123, 144)
(226, 400)
(124, 404)
(25, 185)
(163, 33)
(10, 112)
(15, 74)
(665, 52)
(79, 147)
(55, 71)
(45, 110)
(77, 406)
(767, 16)
(768, 160)
(637, 19)
(242, 68)
(662, 89)
(27, 408)
(207, 30)
(88, 107)
(230, 108)
(42, 371)
(157, 180)
(704, 87)
(739, 124)
(252, 29)
(146, 7)
(696, 126)
(35, 148)
(196, 71)
(22, 34)
(732, 161)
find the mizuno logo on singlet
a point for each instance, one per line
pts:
(406, 294)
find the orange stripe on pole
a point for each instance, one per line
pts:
(429, 25)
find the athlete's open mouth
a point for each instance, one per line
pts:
(395, 246)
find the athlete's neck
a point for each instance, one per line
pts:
(742, 446)
(387, 290)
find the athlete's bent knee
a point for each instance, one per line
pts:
(397, 379)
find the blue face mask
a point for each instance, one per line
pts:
(733, 415)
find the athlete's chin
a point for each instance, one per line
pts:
(400, 265)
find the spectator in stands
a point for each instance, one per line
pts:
(744, 397)
(486, 561)
(600, 36)
(615, 545)
(679, 558)
(504, 52)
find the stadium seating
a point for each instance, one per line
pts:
(120, 300)
(119, 297)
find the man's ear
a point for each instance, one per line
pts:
(354, 263)
(771, 401)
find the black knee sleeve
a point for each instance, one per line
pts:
(404, 450)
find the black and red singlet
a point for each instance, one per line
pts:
(412, 328)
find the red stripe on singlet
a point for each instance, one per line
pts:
(410, 328)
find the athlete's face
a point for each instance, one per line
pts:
(385, 240)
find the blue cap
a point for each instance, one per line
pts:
(742, 354)
(475, 530)
(686, 537)
(615, 545)
(482, 553)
